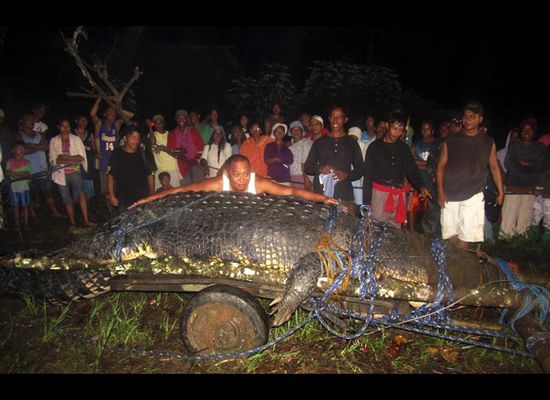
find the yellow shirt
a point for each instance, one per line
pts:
(164, 161)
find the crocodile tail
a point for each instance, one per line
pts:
(56, 286)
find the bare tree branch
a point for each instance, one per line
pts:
(111, 96)
(135, 77)
(101, 70)
(90, 96)
(72, 49)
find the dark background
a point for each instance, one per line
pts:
(191, 67)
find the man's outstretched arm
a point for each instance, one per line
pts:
(264, 185)
(207, 185)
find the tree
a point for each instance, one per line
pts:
(361, 88)
(106, 88)
(257, 94)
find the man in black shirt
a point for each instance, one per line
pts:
(335, 160)
(387, 163)
(129, 176)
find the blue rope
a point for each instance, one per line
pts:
(444, 288)
(363, 265)
(432, 315)
(533, 295)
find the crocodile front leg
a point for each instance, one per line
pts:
(300, 284)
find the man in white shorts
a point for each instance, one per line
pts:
(465, 159)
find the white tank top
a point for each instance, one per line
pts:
(251, 185)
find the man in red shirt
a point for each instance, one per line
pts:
(188, 140)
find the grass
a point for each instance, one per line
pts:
(250, 364)
(31, 307)
(167, 326)
(117, 322)
(150, 320)
(8, 335)
(51, 327)
(520, 247)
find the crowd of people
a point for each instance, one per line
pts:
(450, 182)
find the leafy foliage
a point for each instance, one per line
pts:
(359, 87)
(255, 95)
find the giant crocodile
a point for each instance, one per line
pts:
(246, 237)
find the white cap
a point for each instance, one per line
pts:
(278, 125)
(318, 118)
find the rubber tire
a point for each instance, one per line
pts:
(223, 319)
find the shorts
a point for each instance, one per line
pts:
(72, 189)
(20, 199)
(88, 187)
(42, 185)
(464, 218)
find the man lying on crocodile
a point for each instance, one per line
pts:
(238, 177)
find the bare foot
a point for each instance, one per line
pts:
(90, 224)
(58, 215)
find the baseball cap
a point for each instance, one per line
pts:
(158, 116)
(278, 125)
(181, 113)
(318, 118)
(296, 124)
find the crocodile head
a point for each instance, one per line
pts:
(106, 248)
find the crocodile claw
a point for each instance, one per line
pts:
(276, 301)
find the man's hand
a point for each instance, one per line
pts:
(424, 192)
(113, 200)
(340, 175)
(204, 165)
(137, 203)
(441, 199)
(330, 201)
(500, 198)
(325, 169)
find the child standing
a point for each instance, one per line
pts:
(19, 167)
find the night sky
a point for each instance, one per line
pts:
(192, 67)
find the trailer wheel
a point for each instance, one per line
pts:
(223, 319)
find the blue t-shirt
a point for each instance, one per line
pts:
(108, 142)
(37, 159)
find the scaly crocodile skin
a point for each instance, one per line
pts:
(238, 235)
